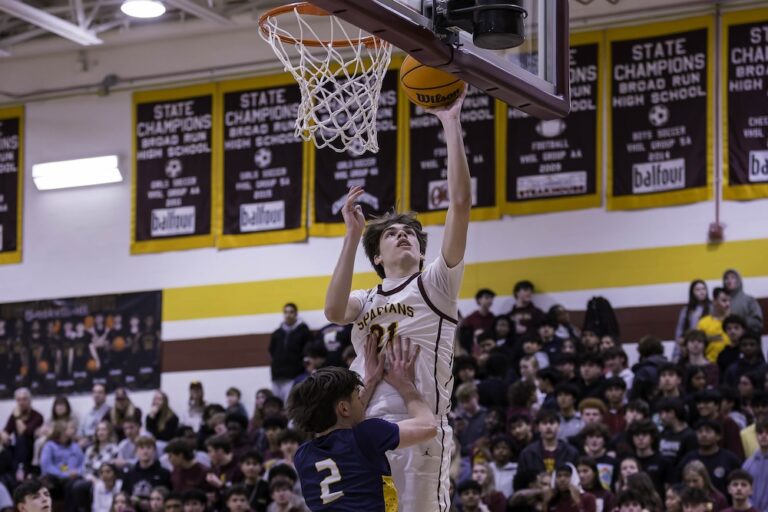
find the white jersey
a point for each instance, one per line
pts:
(422, 307)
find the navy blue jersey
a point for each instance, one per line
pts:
(348, 471)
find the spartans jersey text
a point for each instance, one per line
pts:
(396, 308)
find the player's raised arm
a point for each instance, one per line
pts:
(459, 184)
(421, 425)
(339, 309)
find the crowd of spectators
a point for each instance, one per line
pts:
(547, 416)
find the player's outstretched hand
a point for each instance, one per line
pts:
(374, 362)
(353, 212)
(401, 373)
(450, 112)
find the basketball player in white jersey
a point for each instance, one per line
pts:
(416, 301)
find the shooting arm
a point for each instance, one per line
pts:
(459, 187)
(339, 307)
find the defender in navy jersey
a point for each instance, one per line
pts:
(416, 301)
(345, 468)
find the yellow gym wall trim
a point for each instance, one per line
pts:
(571, 272)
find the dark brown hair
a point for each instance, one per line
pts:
(377, 225)
(695, 334)
(312, 404)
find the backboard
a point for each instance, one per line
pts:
(532, 77)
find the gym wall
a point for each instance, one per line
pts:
(219, 306)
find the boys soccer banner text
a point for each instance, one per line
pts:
(660, 115)
(263, 188)
(175, 138)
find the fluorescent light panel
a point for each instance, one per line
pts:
(76, 173)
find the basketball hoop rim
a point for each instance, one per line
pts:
(309, 9)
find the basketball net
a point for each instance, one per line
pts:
(340, 77)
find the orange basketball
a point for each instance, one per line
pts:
(92, 365)
(118, 344)
(429, 87)
(42, 367)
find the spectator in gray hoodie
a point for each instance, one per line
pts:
(742, 304)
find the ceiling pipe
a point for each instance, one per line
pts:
(49, 22)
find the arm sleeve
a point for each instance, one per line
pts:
(375, 436)
(171, 426)
(445, 280)
(360, 296)
(151, 425)
(755, 319)
(35, 422)
(272, 343)
(47, 465)
(680, 323)
(79, 458)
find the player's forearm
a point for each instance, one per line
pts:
(459, 195)
(417, 407)
(421, 426)
(459, 181)
(337, 296)
(369, 386)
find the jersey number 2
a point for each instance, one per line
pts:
(378, 330)
(325, 491)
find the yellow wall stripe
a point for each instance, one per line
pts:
(569, 272)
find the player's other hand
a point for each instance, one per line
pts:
(401, 373)
(352, 212)
(374, 362)
(450, 112)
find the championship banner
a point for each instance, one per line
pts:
(263, 188)
(175, 153)
(426, 160)
(745, 104)
(11, 183)
(65, 346)
(660, 116)
(332, 174)
(556, 165)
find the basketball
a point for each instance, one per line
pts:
(429, 87)
(92, 366)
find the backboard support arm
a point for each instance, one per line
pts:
(408, 30)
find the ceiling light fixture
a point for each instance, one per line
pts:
(76, 173)
(143, 8)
